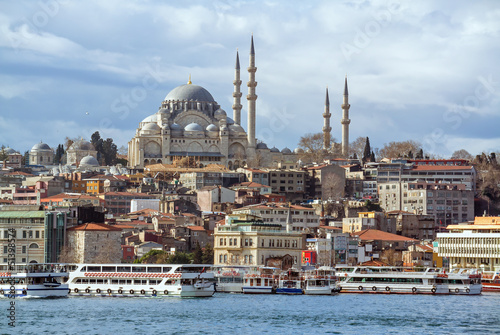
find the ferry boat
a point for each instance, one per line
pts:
(321, 281)
(491, 281)
(260, 280)
(462, 281)
(40, 280)
(229, 279)
(290, 282)
(365, 279)
(145, 280)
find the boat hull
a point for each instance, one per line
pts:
(257, 289)
(282, 290)
(34, 291)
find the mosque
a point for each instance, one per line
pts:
(190, 123)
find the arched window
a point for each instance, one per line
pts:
(34, 246)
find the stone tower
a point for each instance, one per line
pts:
(237, 92)
(326, 128)
(251, 97)
(345, 121)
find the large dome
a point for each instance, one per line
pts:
(82, 145)
(189, 92)
(40, 146)
(89, 161)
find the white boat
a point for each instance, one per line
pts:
(462, 281)
(33, 281)
(366, 279)
(490, 281)
(132, 280)
(229, 279)
(321, 281)
(260, 280)
(290, 282)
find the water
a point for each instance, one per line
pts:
(258, 314)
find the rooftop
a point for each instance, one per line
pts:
(378, 235)
(92, 226)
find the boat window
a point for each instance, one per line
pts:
(154, 269)
(154, 282)
(167, 269)
(92, 281)
(123, 269)
(137, 269)
(94, 268)
(114, 281)
(109, 269)
(140, 281)
(84, 269)
(100, 281)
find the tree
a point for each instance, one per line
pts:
(398, 149)
(367, 152)
(208, 254)
(97, 142)
(109, 151)
(462, 154)
(69, 141)
(59, 154)
(198, 254)
(372, 157)
(123, 150)
(4, 156)
(313, 151)
(333, 187)
(420, 154)
(357, 147)
(151, 257)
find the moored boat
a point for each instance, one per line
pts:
(260, 280)
(321, 281)
(33, 281)
(290, 282)
(491, 281)
(229, 279)
(462, 281)
(131, 280)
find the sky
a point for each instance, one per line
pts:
(417, 70)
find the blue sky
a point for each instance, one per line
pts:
(425, 70)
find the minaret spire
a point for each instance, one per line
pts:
(345, 121)
(251, 97)
(326, 127)
(237, 92)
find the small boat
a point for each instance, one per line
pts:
(229, 279)
(462, 281)
(260, 280)
(321, 281)
(490, 281)
(40, 280)
(143, 280)
(290, 282)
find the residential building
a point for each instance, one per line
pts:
(209, 195)
(326, 182)
(302, 218)
(447, 203)
(369, 220)
(118, 203)
(418, 226)
(291, 183)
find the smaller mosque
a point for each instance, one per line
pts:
(78, 151)
(41, 154)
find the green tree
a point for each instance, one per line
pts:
(180, 258)
(420, 154)
(109, 151)
(97, 142)
(208, 254)
(367, 151)
(59, 154)
(372, 157)
(198, 254)
(4, 156)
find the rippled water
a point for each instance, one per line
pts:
(258, 314)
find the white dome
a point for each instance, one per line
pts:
(220, 114)
(40, 146)
(193, 127)
(212, 127)
(151, 127)
(236, 128)
(89, 161)
(298, 150)
(82, 145)
(175, 126)
(151, 118)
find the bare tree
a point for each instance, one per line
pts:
(313, 151)
(398, 149)
(357, 147)
(391, 257)
(333, 187)
(462, 154)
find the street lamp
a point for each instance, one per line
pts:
(28, 244)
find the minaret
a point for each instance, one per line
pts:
(237, 92)
(251, 97)
(326, 128)
(345, 121)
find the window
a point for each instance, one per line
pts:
(5, 249)
(23, 249)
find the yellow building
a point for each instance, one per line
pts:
(95, 185)
(474, 245)
(247, 240)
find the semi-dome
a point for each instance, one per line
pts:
(274, 149)
(189, 92)
(175, 126)
(193, 127)
(220, 114)
(286, 151)
(89, 161)
(299, 151)
(40, 146)
(262, 145)
(151, 118)
(82, 145)
(151, 127)
(236, 128)
(212, 127)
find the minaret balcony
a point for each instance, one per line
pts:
(237, 94)
(345, 121)
(327, 129)
(252, 84)
(237, 82)
(252, 97)
(346, 106)
(327, 115)
(252, 69)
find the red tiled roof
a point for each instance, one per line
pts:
(374, 234)
(252, 184)
(440, 167)
(92, 226)
(330, 227)
(199, 228)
